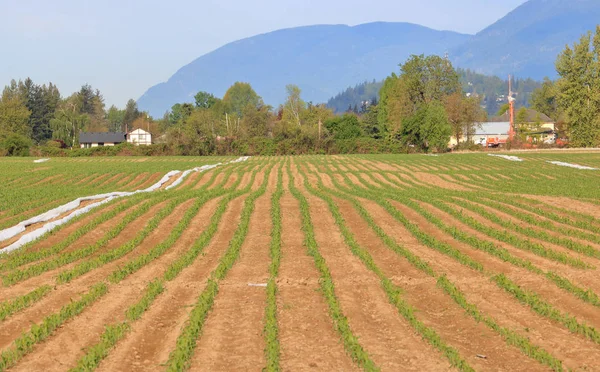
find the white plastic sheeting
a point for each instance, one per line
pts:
(507, 157)
(203, 168)
(570, 165)
(104, 198)
(40, 160)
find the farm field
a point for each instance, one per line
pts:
(461, 262)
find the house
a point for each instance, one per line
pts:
(532, 126)
(487, 134)
(535, 128)
(139, 137)
(98, 139)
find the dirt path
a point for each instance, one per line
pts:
(232, 338)
(494, 301)
(377, 324)
(434, 308)
(153, 337)
(69, 344)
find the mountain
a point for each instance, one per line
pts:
(527, 41)
(321, 60)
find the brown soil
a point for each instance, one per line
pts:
(206, 177)
(434, 308)
(382, 179)
(69, 343)
(230, 181)
(49, 276)
(232, 337)
(306, 333)
(136, 181)
(582, 278)
(96, 182)
(508, 217)
(125, 180)
(568, 203)
(381, 331)
(436, 180)
(191, 179)
(64, 293)
(386, 166)
(493, 301)
(46, 180)
(547, 245)
(170, 181)
(220, 177)
(112, 180)
(57, 237)
(537, 283)
(87, 179)
(154, 178)
(153, 337)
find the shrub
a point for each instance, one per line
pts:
(15, 145)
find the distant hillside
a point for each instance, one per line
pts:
(527, 41)
(492, 89)
(321, 60)
(355, 96)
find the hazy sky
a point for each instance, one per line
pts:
(123, 47)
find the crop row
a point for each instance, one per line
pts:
(180, 358)
(510, 336)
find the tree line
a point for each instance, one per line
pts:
(420, 108)
(34, 115)
(573, 99)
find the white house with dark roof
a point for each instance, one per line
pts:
(139, 137)
(98, 139)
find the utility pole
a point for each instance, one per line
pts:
(511, 108)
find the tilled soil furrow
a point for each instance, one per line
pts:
(49, 276)
(111, 308)
(306, 334)
(148, 346)
(218, 180)
(573, 350)
(434, 308)
(64, 293)
(534, 282)
(582, 278)
(232, 337)
(548, 245)
(390, 342)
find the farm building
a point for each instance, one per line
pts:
(98, 139)
(139, 137)
(535, 128)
